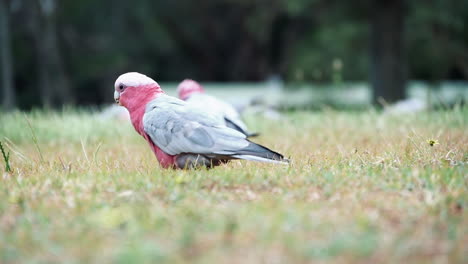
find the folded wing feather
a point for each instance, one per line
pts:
(176, 128)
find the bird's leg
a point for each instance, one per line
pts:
(193, 161)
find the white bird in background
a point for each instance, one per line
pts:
(408, 106)
(194, 94)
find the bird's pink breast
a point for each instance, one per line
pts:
(164, 159)
(136, 116)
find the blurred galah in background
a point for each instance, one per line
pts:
(407, 106)
(181, 135)
(114, 112)
(194, 94)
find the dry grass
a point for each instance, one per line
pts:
(363, 187)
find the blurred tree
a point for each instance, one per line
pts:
(8, 100)
(52, 80)
(53, 75)
(437, 34)
(334, 31)
(88, 43)
(388, 67)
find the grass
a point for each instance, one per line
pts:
(6, 158)
(363, 187)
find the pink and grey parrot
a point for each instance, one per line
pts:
(194, 94)
(181, 135)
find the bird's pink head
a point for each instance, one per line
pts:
(133, 90)
(189, 87)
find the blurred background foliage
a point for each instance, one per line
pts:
(70, 52)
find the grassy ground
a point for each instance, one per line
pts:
(362, 187)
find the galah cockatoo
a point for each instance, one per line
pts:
(194, 94)
(181, 135)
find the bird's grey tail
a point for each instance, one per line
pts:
(258, 152)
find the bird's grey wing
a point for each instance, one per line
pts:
(176, 128)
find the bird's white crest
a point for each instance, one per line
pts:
(133, 79)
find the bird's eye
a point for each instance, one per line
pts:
(121, 87)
